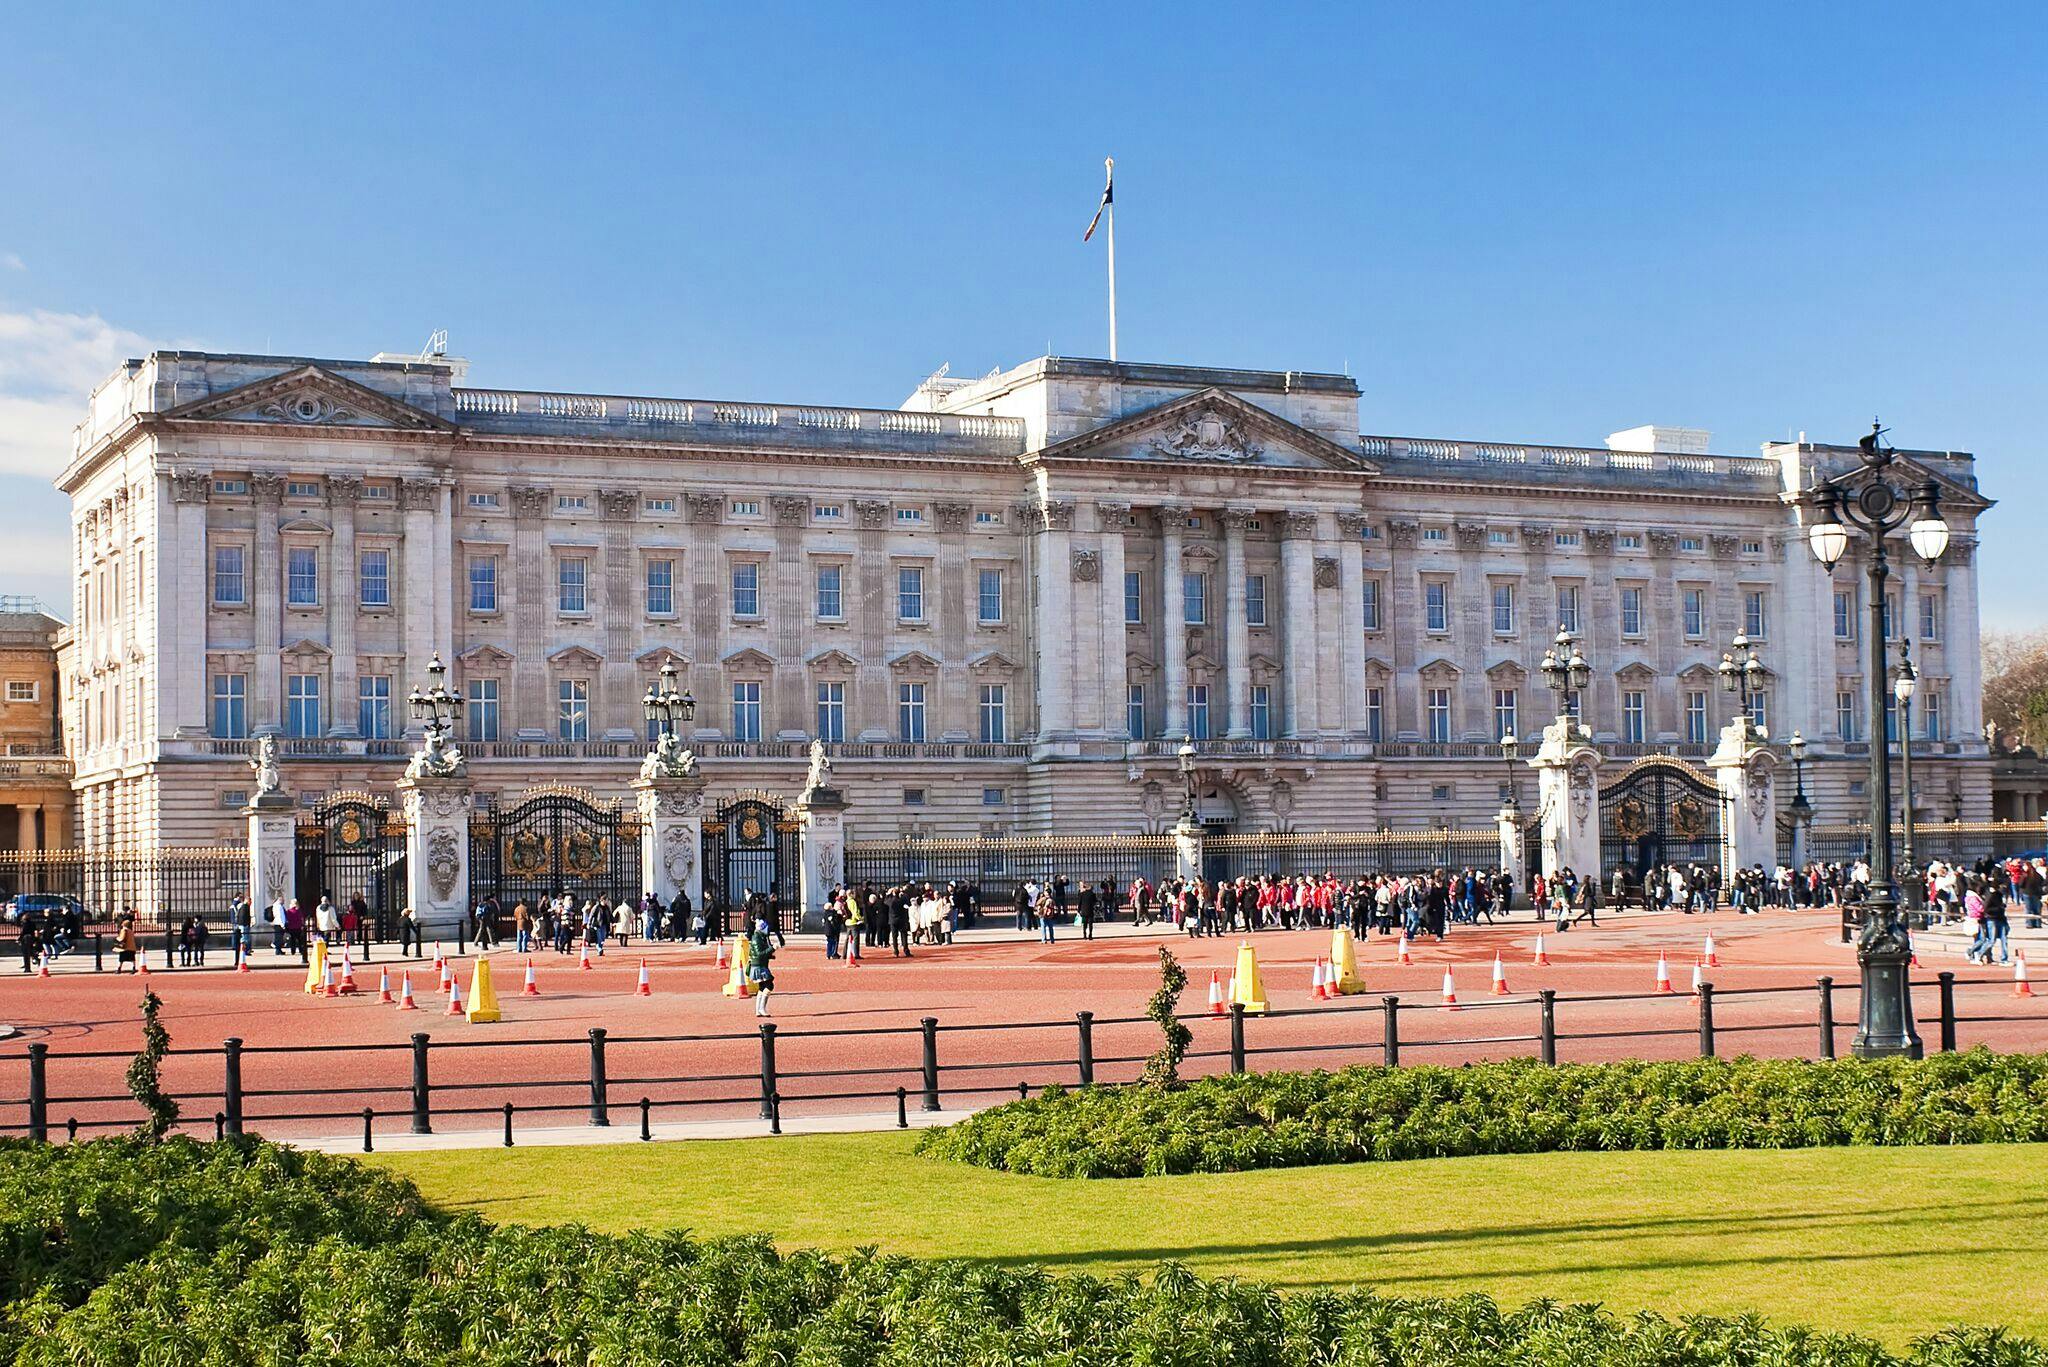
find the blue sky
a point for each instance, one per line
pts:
(1520, 222)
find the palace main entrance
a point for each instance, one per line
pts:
(1660, 811)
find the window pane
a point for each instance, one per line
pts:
(661, 575)
(829, 602)
(571, 583)
(990, 596)
(302, 577)
(483, 585)
(746, 589)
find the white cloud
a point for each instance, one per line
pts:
(49, 363)
(12, 261)
(35, 553)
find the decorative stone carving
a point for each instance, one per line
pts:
(1353, 524)
(1663, 541)
(706, 506)
(1600, 540)
(1087, 564)
(686, 801)
(668, 759)
(267, 485)
(791, 510)
(418, 495)
(1724, 544)
(951, 517)
(821, 768)
(1403, 533)
(1208, 434)
(1115, 517)
(1152, 801)
(530, 500)
(679, 852)
(1536, 535)
(1173, 515)
(1960, 552)
(277, 876)
(1298, 525)
(1471, 535)
(436, 758)
(444, 862)
(264, 762)
(1283, 799)
(1326, 572)
(1758, 785)
(307, 407)
(344, 490)
(1581, 774)
(871, 513)
(1234, 519)
(444, 802)
(618, 505)
(1057, 514)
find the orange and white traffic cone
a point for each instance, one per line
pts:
(2020, 986)
(347, 986)
(141, 966)
(721, 957)
(405, 1001)
(583, 958)
(1699, 976)
(646, 988)
(241, 960)
(454, 998)
(1913, 950)
(1711, 960)
(1500, 976)
(1215, 994)
(327, 988)
(1450, 988)
(1401, 950)
(532, 988)
(383, 987)
(1663, 973)
(1541, 960)
(440, 962)
(447, 976)
(43, 969)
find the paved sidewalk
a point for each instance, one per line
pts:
(624, 1129)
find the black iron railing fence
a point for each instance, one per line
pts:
(241, 1087)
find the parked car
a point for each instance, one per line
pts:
(45, 905)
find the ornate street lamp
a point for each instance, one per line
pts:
(1867, 500)
(1565, 669)
(1187, 781)
(1742, 673)
(1796, 748)
(665, 707)
(1509, 749)
(1903, 688)
(435, 706)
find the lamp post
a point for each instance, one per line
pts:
(434, 707)
(1903, 688)
(665, 707)
(1802, 810)
(1187, 782)
(1866, 499)
(1742, 673)
(1509, 749)
(1565, 670)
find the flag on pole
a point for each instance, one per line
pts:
(1108, 184)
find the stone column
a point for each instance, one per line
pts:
(415, 589)
(266, 589)
(184, 559)
(1511, 857)
(1298, 622)
(953, 592)
(1114, 519)
(1568, 789)
(1055, 643)
(671, 836)
(444, 581)
(343, 595)
(1745, 768)
(823, 813)
(524, 608)
(1237, 636)
(1802, 827)
(1187, 848)
(617, 706)
(25, 827)
(437, 850)
(273, 850)
(1351, 616)
(1401, 616)
(1173, 628)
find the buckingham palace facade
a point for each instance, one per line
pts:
(1003, 605)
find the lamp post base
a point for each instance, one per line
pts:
(1884, 953)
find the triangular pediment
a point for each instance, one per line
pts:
(1635, 671)
(658, 656)
(1210, 427)
(1440, 668)
(833, 660)
(1904, 471)
(576, 655)
(748, 658)
(308, 648)
(309, 396)
(483, 657)
(992, 662)
(913, 662)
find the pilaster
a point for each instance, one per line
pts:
(437, 812)
(273, 848)
(1173, 628)
(671, 836)
(823, 842)
(1568, 810)
(1745, 770)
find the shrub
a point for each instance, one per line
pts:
(1363, 1114)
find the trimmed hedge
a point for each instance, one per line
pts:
(188, 1253)
(1277, 1120)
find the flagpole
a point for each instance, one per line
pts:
(1110, 209)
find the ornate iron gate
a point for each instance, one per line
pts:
(751, 845)
(555, 840)
(1660, 811)
(353, 845)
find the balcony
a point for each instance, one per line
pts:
(35, 765)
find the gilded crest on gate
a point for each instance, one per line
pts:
(1689, 818)
(349, 832)
(1632, 818)
(526, 854)
(583, 854)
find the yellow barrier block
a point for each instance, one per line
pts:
(738, 984)
(1247, 989)
(483, 1001)
(1344, 963)
(316, 968)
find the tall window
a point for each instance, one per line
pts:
(988, 596)
(1371, 589)
(1506, 710)
(1930, 713)
(1632, 716)
(995, 720)
(230, 585)
(1255, 600)
(1695, 607)
(1930, 616)
(572, 581)
(1503, 609)
(231, 706)
(1568, 607)
(831, 605)
(1574, 701)
(1134, 598)
(1891, 616)
(1845, 712)
(1632, 612)
(373, 578)
(910, 712)
(832, 713)
(483, 584)
(1195, 595)
(1891, 719)
(1845, 615)
(909, 593)
(482, 709)
(1198, 711)
(1262, 712)
(1436, 605)
(572, 709)
(1696, 717)
(1439, 714)
(1760, 709)
(746, 588)
(302, 705)
(1375, 712)
(746, 711)
(302, 577)
(661, 588)
(373, 706)
(1134, 710)
(1755, 619)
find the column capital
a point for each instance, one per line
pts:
(191, 486)
(267, 486)
(618, 505)
(1051, 515)
(952, 517)
(1299, 524)
(791, 510)
(1115, 517)
(1352, 523)
(530, 500)
(418, 495)
(1402, 532)
(1173, 515)
(1234, 519)
(344, 489)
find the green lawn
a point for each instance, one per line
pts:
(1951, 1235)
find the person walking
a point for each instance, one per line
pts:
(856, 921)
(1589, 902)
(761, 949)
(835, 922)
(125, 943)
(1084, 910)
(899, 922)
